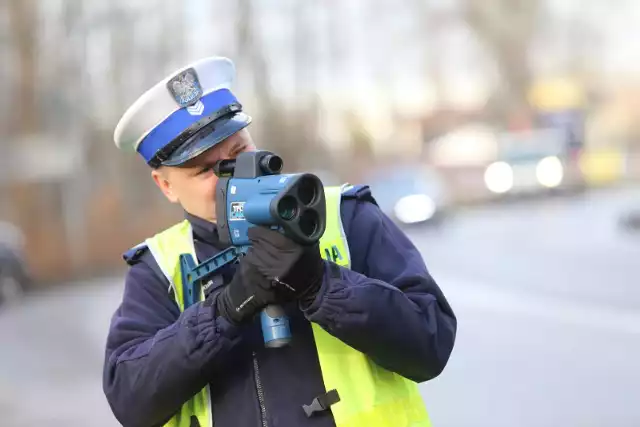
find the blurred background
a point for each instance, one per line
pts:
(503, 136)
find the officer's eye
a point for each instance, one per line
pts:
(204, 170)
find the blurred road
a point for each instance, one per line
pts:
(547, 295)
(546, 292)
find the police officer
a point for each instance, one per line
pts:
(368, 320)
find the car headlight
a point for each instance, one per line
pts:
(414, 208)
(498, 177)
(549, 172)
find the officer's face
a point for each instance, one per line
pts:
(193, 184)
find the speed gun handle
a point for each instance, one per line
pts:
(275, 327)
(276, 331)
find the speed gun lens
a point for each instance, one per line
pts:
(287, 208)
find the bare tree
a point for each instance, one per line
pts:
(251, 58)
(278, 124)
(25, 119)
(507, 28)
(23, 16)
(433, 22)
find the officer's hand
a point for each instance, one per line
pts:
(248, 292)
(296, 270)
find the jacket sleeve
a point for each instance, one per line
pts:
(392, 310)
(157, 358)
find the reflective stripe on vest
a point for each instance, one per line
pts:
(370, 395)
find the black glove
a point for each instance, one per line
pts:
(247, 293)
(296, 270)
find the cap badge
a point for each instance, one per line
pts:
(185, 88)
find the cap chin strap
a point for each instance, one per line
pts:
(164, 154)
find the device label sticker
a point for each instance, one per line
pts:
(237, 211)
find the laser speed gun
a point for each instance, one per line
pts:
(252, 192)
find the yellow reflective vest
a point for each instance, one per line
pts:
(370, 396)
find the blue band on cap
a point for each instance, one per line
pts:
(180, 120)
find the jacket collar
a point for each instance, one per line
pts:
(204, 230)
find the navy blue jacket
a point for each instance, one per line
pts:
(387, 306)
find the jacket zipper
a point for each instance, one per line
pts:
(256, 376)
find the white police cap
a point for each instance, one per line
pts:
(185, 114)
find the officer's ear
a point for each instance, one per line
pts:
(161, 178)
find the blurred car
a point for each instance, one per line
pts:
(14, 279)
(410, 195)
(536, 162)
(630, 220)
